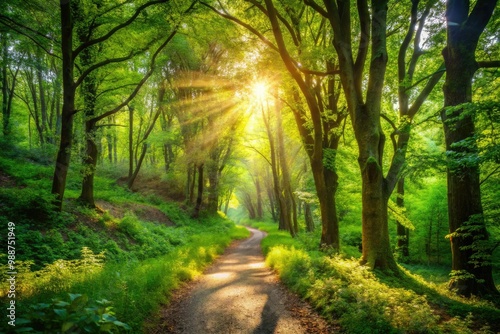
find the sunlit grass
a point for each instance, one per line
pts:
(136, 288)
(364, 301)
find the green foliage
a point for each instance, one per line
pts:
(329, 159)
(78, 315)
(350, 294)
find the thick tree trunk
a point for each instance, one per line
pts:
(471, 268)
(325, 181)
(376, 250)
(465, 212)
(68, 109)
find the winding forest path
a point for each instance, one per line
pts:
(239, 294)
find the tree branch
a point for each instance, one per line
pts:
(6, 18)
(33, 39)
(489, 175)
(393, 133)
(435, 77)
(489, 64)
(111, 61)
(441, 69)
(281, 18)
(262, 155)
(266, 41)
(316, 7)
(117, 28)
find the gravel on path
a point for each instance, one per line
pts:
(238, 294)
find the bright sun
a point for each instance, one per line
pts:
(259, 90)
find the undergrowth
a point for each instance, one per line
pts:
(365, 301)
(125, 267)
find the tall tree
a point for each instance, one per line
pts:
(320, 97)
(70, 53)
(363, 93)
(409, 107)
(87, 77)
(471, 269)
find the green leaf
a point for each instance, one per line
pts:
(73, 296)
(61, 304)
(61, 312)
(22, 321)
(106, 327)
(79, 302)
(121, 324)
(67, 326)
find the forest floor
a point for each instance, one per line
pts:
(238, 294)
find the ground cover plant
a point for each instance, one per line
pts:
(350, 294)
(124, 268)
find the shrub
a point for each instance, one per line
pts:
(78, 315)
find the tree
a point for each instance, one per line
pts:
(471, 269)
(364, 105)
(90, 90)
(407, 108)
(321, 97)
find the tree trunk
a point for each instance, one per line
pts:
(290, 214)
(284, 219)
(471, 250)
(260, 212)
(193, 183)
(5, 87)
(43, 104)
(308, 217)
(130, 142)
(213, 191)
(131, 181)
(68, 109)
(109, 139)
(89, 165)
(199, 198)
(403, 233)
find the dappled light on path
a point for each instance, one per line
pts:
(239, 294)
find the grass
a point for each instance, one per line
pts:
(131, 262)
(364, 301)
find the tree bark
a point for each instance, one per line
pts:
(68, 108)
(89, 165)
(403, 233)
(260, 212)
(130, 142)
(5, 86)
(315, 141)
(471, 250)
(288, 201)
(199, 198)
(308, 217)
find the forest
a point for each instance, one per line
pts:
(139, 138)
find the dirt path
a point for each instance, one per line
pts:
(239, 294)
